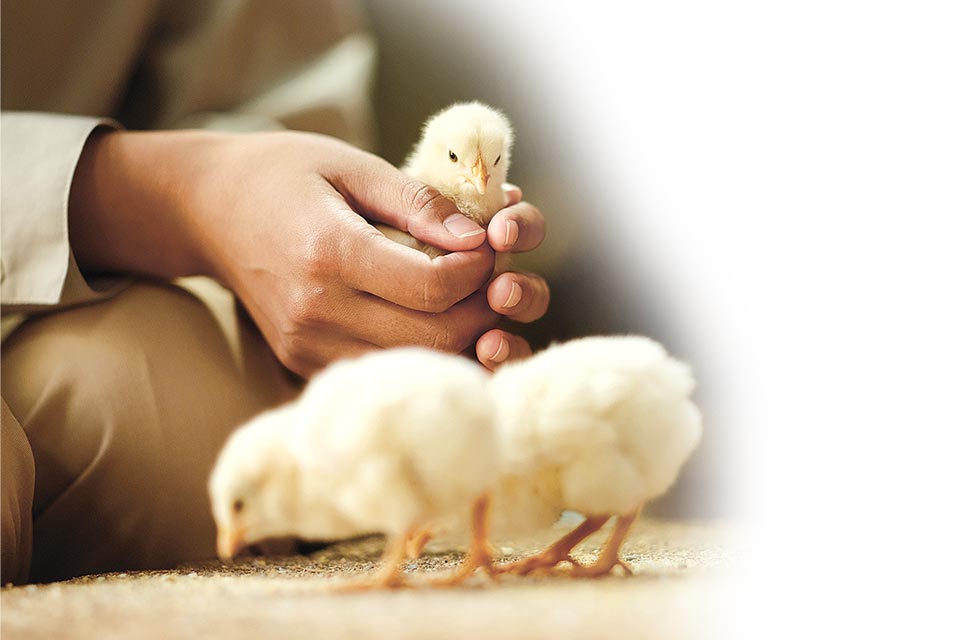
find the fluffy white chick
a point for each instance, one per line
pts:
(463, 152)
(390, 442)
(597, 425)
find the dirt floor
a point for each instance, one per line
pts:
(677, 591)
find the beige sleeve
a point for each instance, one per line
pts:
(224, 64)
(39, 154)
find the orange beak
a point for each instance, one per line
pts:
(480, 176)
(229, 542)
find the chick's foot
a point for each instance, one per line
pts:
(610, 555)
(390, 573)
(558, 552)
(479, 555)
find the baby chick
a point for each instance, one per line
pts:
(598, 425)
(463, 152)
(389, 442)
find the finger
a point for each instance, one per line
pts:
(520, 296)
(374, 264)
(514, 193)
(496, 347)
(381, 192)
(388, 325)
(517, 228)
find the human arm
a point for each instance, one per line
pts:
(282, 219)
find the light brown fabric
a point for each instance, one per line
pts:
(125, 404)
(17, 471)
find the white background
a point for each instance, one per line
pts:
(802, 161)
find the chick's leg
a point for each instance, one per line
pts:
(610, 555)
(390, 573)
(479, 555)
(416, 541)
(559, 551)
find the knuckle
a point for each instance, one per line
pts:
(298, 314)
(435, 295)
(422, 197)
(451, 339)
(302, 308)
(442, 339)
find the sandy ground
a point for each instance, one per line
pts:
(677, 591)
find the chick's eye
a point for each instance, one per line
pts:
(237, 505)
(497, 161)
(453, 157)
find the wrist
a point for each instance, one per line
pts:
(132, 206)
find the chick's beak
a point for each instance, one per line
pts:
(229, 542)
(480, 176)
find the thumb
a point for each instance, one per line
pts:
(382, 193)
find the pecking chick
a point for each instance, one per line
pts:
(390, 442)
(464, 153)
(597, 425)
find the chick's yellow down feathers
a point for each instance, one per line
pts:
(390, 442)
(598, 425)
(464, 153)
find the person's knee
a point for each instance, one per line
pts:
(87, 383)
(126, 404)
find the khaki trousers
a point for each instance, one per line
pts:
(113, 415)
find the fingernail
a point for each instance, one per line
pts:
(515, 294)
(511, 233)
(461, 226)
(503, 351)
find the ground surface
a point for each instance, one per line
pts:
(678, 591)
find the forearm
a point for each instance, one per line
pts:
(130, 207)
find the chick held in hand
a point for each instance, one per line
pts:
(464, 153)
(597, 425)
(390, 443)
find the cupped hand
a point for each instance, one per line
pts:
(284, 220)
(289, 231)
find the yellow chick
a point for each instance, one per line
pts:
(599, 425)
(464, 153)
(390, 442)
